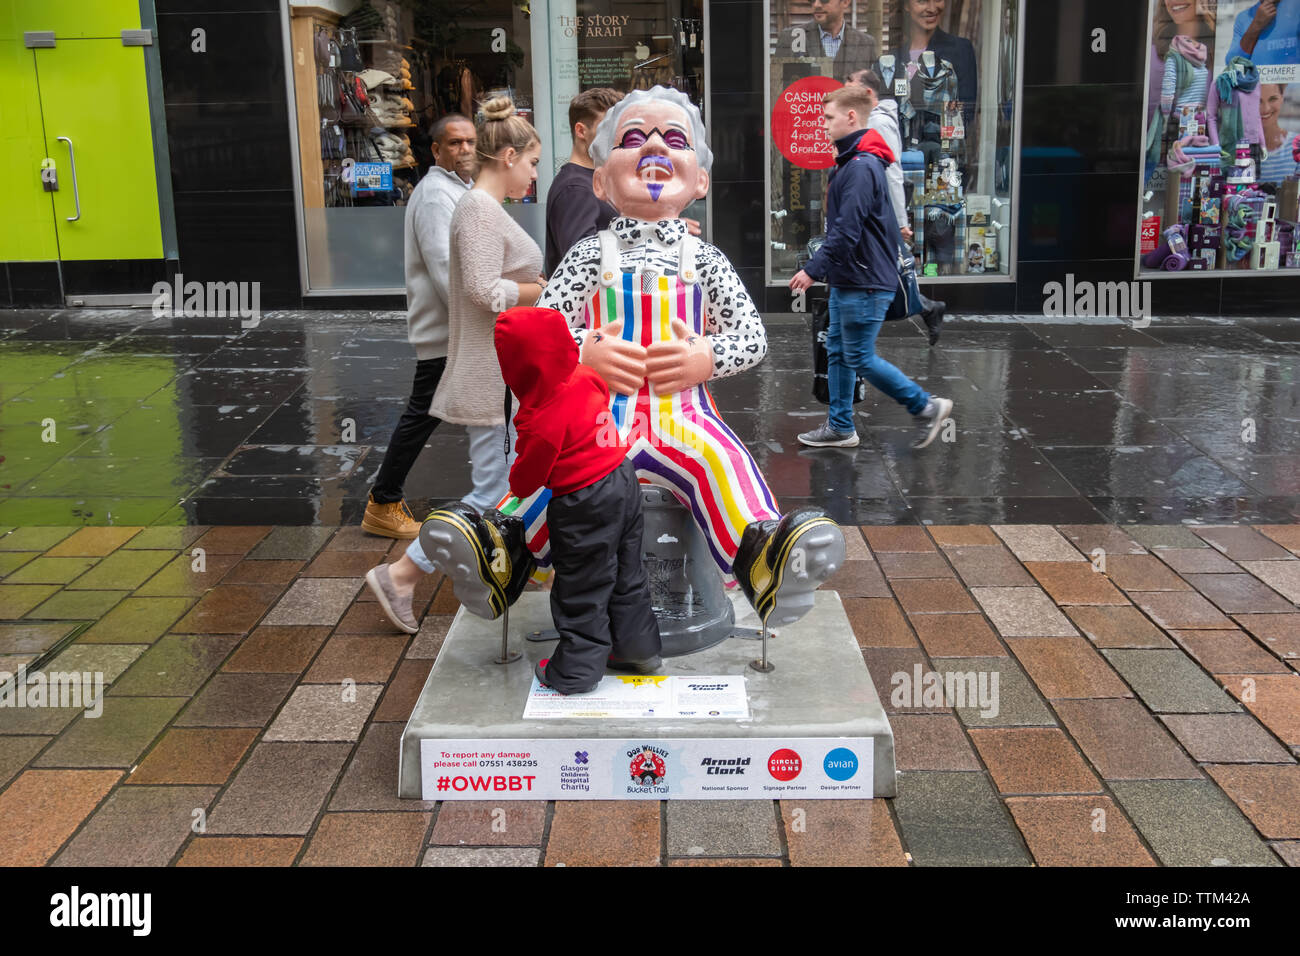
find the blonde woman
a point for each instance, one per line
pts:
(494, 265)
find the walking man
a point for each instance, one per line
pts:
(859, 261)
(883, 118)
(428, 248)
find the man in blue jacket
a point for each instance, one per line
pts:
(859, 261)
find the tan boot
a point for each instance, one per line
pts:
(391, 520)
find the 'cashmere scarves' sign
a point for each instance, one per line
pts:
(797, 129)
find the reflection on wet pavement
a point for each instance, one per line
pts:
(115, 417)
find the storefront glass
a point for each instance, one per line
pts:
(949, 69)
(371, 77)
(1221, 158)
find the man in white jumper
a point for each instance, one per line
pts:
(428, 248)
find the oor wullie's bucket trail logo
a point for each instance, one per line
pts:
(649, 766)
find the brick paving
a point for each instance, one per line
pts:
(1149, 708)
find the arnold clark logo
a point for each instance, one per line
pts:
(734, 766)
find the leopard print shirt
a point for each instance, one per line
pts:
(732, 323)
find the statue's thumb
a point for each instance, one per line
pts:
(681, 330)
(614, 328)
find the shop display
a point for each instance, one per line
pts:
(364, 87)
(372, 77)
(956, 130)
(1222, 160)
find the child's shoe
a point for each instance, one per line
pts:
(484, 556)
(539, 670)
(648, 666)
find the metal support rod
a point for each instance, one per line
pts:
(507, 656)
(763, 666)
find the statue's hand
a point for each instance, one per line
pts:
(685, 361)
(621, 364)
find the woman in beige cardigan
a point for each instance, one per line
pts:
(494, 265)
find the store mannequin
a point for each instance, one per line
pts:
(657, 313)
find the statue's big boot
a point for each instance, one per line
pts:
(781, 563)
(484, 556)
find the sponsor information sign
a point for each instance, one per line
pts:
(691, 698)
(652, 768)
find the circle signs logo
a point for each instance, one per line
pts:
(841, 763)
(784, 764)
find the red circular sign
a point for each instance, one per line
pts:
(784, 764)
(797, 123)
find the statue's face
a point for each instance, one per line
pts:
(653, 171)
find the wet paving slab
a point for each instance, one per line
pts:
(197, 420)
(1150, 670)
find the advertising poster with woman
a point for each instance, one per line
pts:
(1266, 32)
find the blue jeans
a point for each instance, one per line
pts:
(856, 316)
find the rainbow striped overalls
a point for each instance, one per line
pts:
(678, 441)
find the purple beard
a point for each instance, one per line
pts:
(660, 162)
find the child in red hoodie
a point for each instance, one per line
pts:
(600, 598)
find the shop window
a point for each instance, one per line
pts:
(371, 77)
(1221, 160)
(949, 71)
(622, 45)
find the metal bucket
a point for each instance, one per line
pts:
(689, 598)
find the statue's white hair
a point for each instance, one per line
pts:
(604, 139)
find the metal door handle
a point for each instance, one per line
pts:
(76, 195)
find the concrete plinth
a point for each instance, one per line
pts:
(820, 688)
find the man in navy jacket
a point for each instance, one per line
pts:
(859, 261)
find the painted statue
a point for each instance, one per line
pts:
(657, 314)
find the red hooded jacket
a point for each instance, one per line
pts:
(566, 437)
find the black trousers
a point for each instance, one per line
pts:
(600, 598)
(412, 431)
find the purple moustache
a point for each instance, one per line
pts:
(660, 162)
